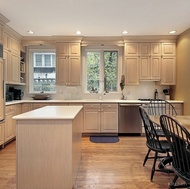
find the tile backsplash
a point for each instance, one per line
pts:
(144, 90)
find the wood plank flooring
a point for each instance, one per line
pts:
(103, 166)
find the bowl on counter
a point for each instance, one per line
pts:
(41, 97)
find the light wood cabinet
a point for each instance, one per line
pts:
(168, 49)
(18, 109)
(2, 95)
(100, 118)
(68, 65)
(131, 72)
(26, 107)
(11, 54)
(168, 71)
(178, 108)
(2, 133)
(131, 49)
(91, 118)
(131, 61)
(39, 105)
(149, 68)
(1, 33)
(109, 118)
(10, 124)
(150, 61)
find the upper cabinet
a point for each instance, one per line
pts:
(149, 61)
(1, 33)
(131, 59)
(168, 49)
(168, 64)
(131, 49)
(11, 54)
(68, 63)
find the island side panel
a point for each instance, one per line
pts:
(44, 154)
(77, 143)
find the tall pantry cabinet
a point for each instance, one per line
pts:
(68, 63)
(11, 54)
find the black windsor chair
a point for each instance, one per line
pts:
(154, 143)
(179, 140)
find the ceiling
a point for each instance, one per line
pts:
(96, 17)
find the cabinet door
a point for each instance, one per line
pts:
(74, 49)
(155, 67)
(62, 49)
(6, 41)
(39, 105)
(131, 49)
(10, 126)
(1, 33)
(74, 71)
(2, 133)
(62, 70)
(92, 118)
(6, 56)
(168, 71)
(26, 107)
(144, 49)
(109, 119)
(168, 49)
(131, 71)
(144, 68)
(18, 109)
(15, 68)
(68, 49)
(14, 46)
(155, 49)
(2, 97)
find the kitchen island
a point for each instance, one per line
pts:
(48, 142)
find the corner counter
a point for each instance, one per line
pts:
(48, 147)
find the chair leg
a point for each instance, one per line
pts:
(146, 157)
(153, 166)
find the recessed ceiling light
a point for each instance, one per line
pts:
(30, 32)
(78, 32)
(172, 32)
(125, 32)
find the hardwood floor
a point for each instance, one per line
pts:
(103, 166)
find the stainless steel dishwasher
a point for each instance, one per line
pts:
(129, 119)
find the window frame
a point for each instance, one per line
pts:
(101, 49)
(39, 49)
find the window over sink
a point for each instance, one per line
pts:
(42, 70)
(101, 68)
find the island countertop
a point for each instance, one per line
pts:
(51, 112)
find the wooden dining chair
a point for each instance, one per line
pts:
(158, 107)
(179, 140)
(154, 143)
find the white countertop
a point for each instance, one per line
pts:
(51, 112)
(85, 101)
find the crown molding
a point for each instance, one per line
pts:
(3, 19)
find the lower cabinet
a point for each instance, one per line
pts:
(10, 124)
(26, 107)
(100, 118)
(39, 105)
(2, 133)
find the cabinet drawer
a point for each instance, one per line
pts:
(9, 110)
(86, 106)
(109, 106)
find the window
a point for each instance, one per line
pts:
(101, 70)
(42, 70)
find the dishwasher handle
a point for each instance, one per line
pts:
(124, 105)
